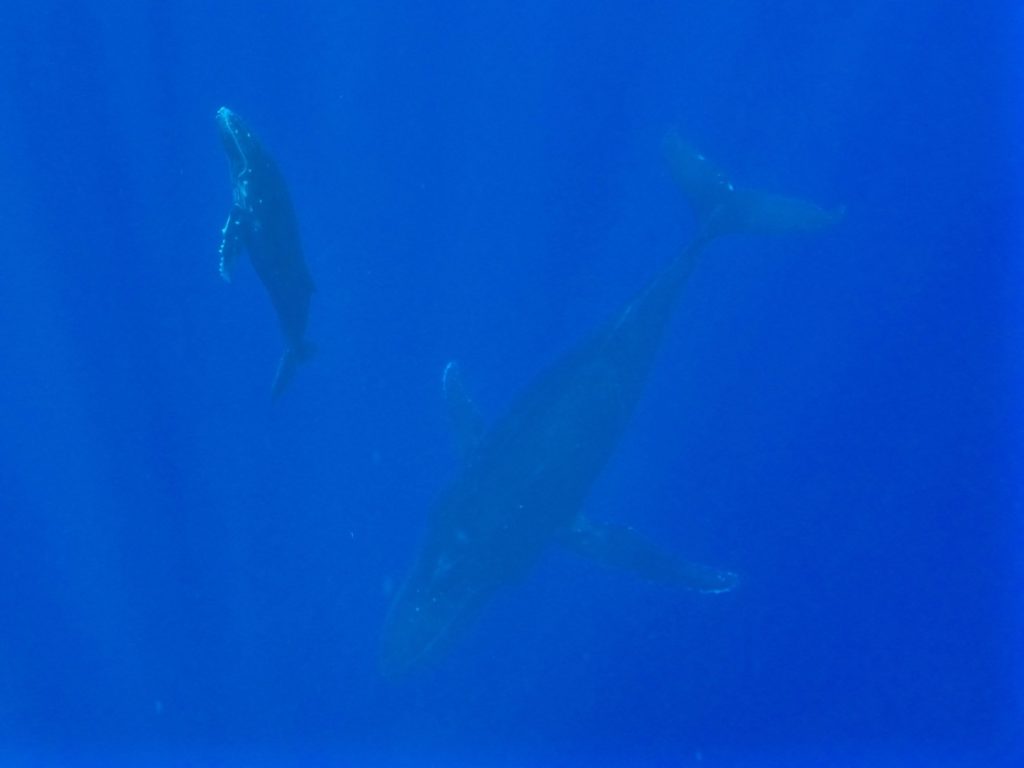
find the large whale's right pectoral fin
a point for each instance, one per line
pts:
(462, 411)
(622, 547)
(231, 243)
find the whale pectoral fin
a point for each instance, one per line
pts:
(465, 416)
(621, 547)
(231, 243)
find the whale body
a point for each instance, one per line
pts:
(262, 222)
(524, 480)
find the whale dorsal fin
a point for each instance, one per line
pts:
(466, 420)
(622, 547)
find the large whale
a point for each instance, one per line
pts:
(262, 221)
(524, 481)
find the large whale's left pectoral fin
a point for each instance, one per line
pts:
(465, 417)
(622, 547)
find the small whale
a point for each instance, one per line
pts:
(262, 220)
(525, 479)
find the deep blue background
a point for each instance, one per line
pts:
(187, 570)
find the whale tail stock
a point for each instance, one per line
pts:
(722, 208)
(289, 363)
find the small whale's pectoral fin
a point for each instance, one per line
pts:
(466, 420)
(621, 547)
(231, 242)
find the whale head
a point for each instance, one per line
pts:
(239, 142)
(452, 579)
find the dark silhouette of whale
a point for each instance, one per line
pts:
(524, 481)
(262, 220)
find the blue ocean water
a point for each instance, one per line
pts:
(191, 574)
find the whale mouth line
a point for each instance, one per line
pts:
(224, 115)
(413, 645)
(245, 160)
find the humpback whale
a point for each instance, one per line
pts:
(523, 481)
(262, 220)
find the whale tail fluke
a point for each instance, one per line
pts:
(286, 368)
(722, 208)
(622, 547)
